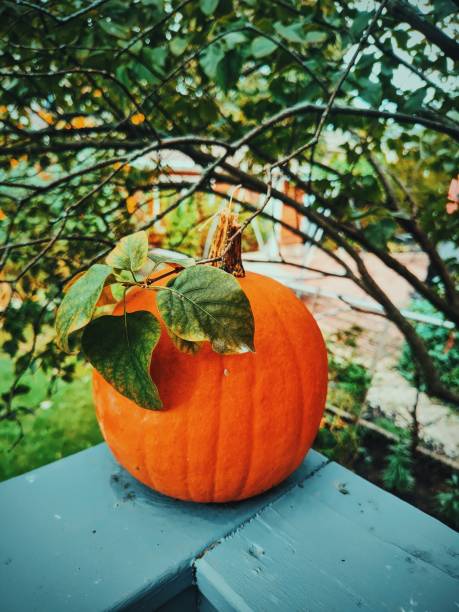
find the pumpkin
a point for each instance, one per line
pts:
(233, 426)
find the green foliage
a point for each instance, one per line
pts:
(442, 345)
(130, 253)
(390, 426)
(261, 47)
(200, 303)
(79, 303)
(398, 474)
(381, 232)
(120, 348)
(64, 422)
(175, 262)
(349, 383)
(339, 441)
(448, 501)
(205, 303)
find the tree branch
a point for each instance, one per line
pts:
(402, 11)
(410, 226)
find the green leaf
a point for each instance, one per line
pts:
(359, 24)
(112, 28)
(122, 74)
(292, 33)
(130, 253)
(229, 70)
(176, 262)
(208, 7)
(118, 291)
(380, 232)
(371, 92)
(185, 346)
(120, 349)
(414, 102)
(155, 58)
(155, 263)
(315, 37)
(143, 73)
(210, 59)
(178, 45)
(205, 303)
(444, 8)
(233, 39)
(261, 46)
(79, 303)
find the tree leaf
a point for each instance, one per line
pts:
(112, 28)
(261, 46)
(413, 103)
(175, 262)
(72, 281)
(210, 59)
(185, 346)
(292, 33)
(233, 39)
(444, 8)
(229, 69)
(380, 232)
(208, 7)
(371, 92)
(359, 24)
(130, 253)
(155, 58)
(205, 303)
(122, 74)
(315, 37)
(178, 45)
(117, 290)
(120, 348)
(79, 303)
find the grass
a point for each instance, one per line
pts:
(63, 423)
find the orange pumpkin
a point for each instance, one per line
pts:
(232, 426)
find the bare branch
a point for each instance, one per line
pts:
(56, 18)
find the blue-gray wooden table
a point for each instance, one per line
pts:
(82, 535)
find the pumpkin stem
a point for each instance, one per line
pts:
(231, 261)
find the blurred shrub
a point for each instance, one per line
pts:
(441, 343)
(398, 473)
(448, 501)
(349, 383)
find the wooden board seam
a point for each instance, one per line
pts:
(254, 516)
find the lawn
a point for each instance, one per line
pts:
(63, 423)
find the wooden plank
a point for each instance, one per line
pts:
(81, 534)
(314, 551)
(186, 600)
(387, 517)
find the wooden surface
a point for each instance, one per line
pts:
(335, 542)
(81, 534)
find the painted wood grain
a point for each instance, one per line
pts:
(81, 534)
(335, 543)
